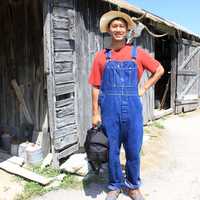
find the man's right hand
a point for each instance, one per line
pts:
(96, 119)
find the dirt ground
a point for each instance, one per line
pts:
(177, 176)
(170, 165)
(9, 187)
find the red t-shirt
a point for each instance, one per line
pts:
(144, 61)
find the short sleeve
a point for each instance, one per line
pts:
(148, 62)
(96, 71)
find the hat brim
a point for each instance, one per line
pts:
(109, 16)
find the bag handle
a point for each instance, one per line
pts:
(97, 126)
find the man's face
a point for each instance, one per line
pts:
(118, 29)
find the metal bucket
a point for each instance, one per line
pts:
(22, 150)
(34, 154)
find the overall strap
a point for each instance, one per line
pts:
(134, 52)
(108, 54)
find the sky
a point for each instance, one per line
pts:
(183, 12)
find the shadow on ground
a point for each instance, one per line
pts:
(94, 185)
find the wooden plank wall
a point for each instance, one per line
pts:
(146, 41)
(21, 58)
(174, 63)
(185, 48)
(61, 79)
(88, 41)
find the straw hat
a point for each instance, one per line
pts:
(109, 16)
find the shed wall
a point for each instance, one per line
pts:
(21, 59)
(88, 41)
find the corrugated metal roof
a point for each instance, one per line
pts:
(130, 7)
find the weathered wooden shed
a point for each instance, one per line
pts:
(23, 92)
(45, 59)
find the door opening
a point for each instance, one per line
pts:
(22, 80)
(163, 86)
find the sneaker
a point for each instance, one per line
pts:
(113, 195)
(135, 194)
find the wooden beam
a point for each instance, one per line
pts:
(183, 102)
(21, 101)
(64, 78)
(65, 141)
(64, 3)
(65, 88)
(188, 87)
(189, 42)
(17, 170)
(68, 151)
(187, 72)
(64, 102)
(187, 60)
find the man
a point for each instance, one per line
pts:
(114, 77)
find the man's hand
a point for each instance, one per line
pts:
(141, 91)
(96, 119)
(152, 80)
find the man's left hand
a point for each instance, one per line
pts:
(141, 91)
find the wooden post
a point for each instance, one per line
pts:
(48, 68)
(22, 101)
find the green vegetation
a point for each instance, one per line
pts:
(154, 128)
(47, 172)
(147, 130)
(32, 189)
(70, 181)
(158, 124)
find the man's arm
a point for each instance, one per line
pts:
(152, 80)
(96, 117)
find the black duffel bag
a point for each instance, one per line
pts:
(96, 147)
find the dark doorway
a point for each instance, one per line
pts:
(162, 88)
(22, 70)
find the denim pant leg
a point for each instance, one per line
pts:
(132, 145)
(116, 180)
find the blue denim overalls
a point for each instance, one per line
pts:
(121, 112)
